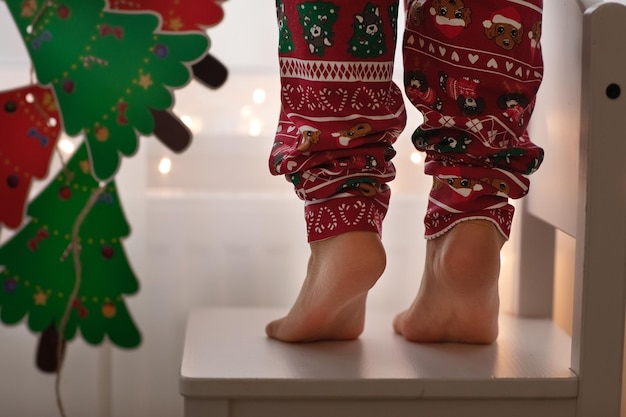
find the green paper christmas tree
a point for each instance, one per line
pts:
(112, 72)
(37, 275)
(393, 17)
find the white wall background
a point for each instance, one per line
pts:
(218, 230)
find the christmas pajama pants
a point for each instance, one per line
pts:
(471, 67)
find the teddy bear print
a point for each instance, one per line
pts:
(317, 37)
(366, 186)
(310, 136)
(281, 155)
(452, 144)
(514, 107)
(462, 186)
(502, 188)
(371, 21)
(317, 19)
(416, 13)
(465, 92)
(369, 37)
(451, 16)
(504, 27)
(466, 186)
(363, 162)
(285, 43)
(534, 34)
(418, 90)
(356, 131)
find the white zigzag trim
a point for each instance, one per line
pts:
(336, 71)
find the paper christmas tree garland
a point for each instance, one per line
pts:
(107, 71)
(112, 72)
(30, 125)
(39, 273)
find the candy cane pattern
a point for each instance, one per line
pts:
(474, 71)
(340, 112)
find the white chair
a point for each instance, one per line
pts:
(230, 369)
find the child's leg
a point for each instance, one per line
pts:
(340, 115)
(473, 69)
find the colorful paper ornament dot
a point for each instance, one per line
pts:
(107, 252)
(10, 285)
(10, 107)
(65, 193)
(68, 86)
(108, 310)
(64, 12)
(107, 198)
(161, 51)
(102, 133)
(13, 181)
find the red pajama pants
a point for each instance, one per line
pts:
(471, 67)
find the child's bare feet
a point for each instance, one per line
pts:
(331, 303)
(458, 298)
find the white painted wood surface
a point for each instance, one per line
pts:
(555, 124)
(229, 364)
(600, 282)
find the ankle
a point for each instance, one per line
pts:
(350, 259)
(467, 258)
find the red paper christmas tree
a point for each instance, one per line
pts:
(178, 15)
(30, 125)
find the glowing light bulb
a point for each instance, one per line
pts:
(66, 146)
(258, 96)
(187, 120)
(246, 111)
(256, 127)
(194, 124)
(165, 166)
(416, 158)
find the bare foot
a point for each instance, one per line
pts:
(331, 303)
(458, 298)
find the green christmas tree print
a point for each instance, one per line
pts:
(37, 273)
(317, 19)
(110, 70)
(368, 39)
(393, 17)
(285, 41)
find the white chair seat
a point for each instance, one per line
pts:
(232, 369)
